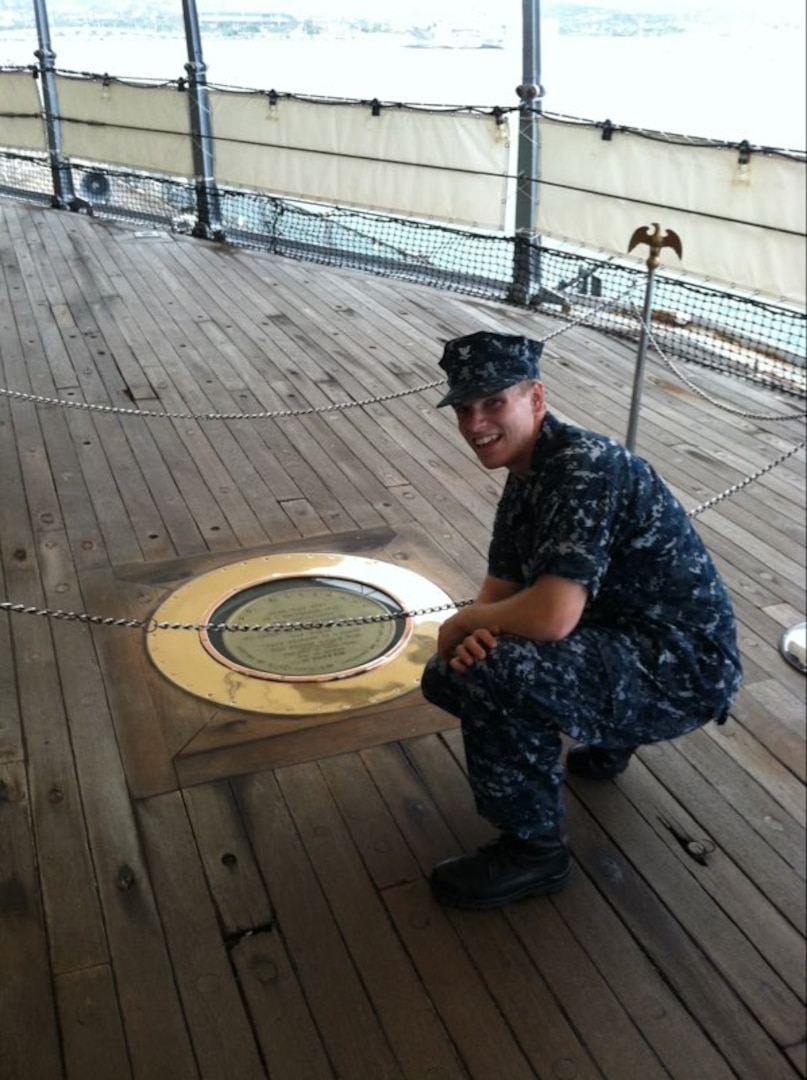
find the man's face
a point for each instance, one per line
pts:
(502, 428)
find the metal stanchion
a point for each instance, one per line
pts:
(656, 240)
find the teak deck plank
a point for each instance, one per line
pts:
(214, 1013)
(90, 1024)
(473, 1019)
(741, 897)
(66, 873)
(313, 937)
(232, 874)
(711, 931)
(567, 968)
(182, 900)
(27, 1005)
(377, 952)
(286, 1032)
(536, 1011)
(729, 1024)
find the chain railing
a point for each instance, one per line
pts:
(151, 625)
(279, 414)
(690, 385)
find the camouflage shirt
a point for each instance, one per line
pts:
(592, 512)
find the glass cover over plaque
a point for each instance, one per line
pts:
(314, 653)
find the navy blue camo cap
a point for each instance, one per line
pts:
(481, 364)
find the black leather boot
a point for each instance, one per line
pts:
(598, 762)
(505, 870)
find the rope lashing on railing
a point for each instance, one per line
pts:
(278, 414)
(150, 625)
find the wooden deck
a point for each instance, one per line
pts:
(189, 892)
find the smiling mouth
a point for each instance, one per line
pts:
(486, 440)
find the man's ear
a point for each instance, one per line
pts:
(538, 396)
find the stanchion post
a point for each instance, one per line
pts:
(656, 240)
(526, 271)
(64, 196)
(208, 209)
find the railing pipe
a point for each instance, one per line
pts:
(526, 259)
(208, 209)
(656, 239)
(64, 196)
(641, 356)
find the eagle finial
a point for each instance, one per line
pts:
(656, 240)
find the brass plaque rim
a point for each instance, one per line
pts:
(182, 658)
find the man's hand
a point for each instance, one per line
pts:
(461, 644)
(475, 646)
(547, 610)
(452, 632)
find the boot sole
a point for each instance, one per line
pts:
(475, 903)
(582, 765)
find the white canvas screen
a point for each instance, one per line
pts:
(439, 165)
(738, 225)
(21, 123)
(142, 127)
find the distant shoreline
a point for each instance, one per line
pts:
(693, 84)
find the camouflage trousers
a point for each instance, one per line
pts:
(598, 686)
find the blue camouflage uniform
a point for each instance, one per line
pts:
(653, 656)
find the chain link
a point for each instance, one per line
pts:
(744, 483)
(596, 309)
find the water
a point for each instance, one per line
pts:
(732, 84)
(741, 83)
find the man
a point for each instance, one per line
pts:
(601, 616)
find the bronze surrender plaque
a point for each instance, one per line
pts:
(229, 635)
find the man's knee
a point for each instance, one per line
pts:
(452, 691)
(546, 682)
(483, 681)
(433, 679)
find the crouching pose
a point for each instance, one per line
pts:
(602, 616)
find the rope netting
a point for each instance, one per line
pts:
(730, 331)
